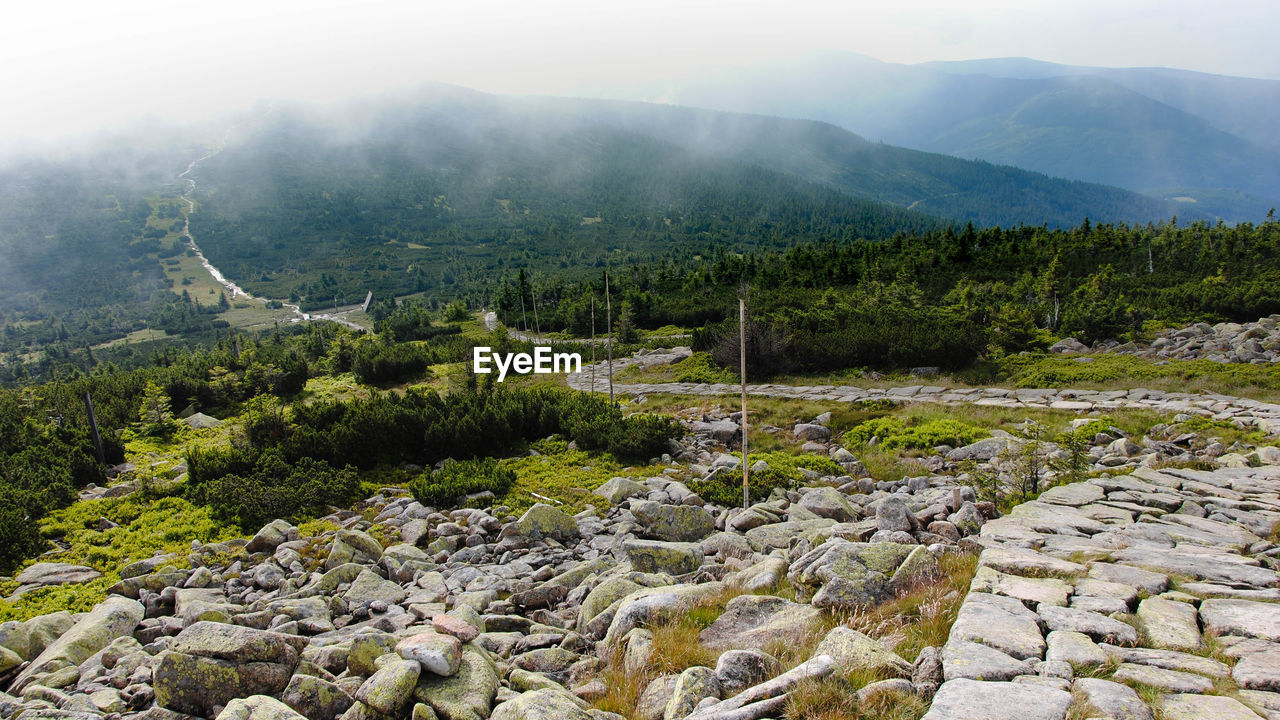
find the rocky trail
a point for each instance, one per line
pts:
(1245, 411)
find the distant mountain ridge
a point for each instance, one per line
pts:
(1246, 107)
(1160, 132)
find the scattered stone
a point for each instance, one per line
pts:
(389, 689)
(544, 521)
(737, 670)
(673, 523)
(545, 704)
(852, 651)
(438, 653)
(672, 558)
(752, 621)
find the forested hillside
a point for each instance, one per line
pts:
(944, 297)
(440, 191)
(79, 262)
(439, 197)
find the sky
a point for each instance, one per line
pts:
(74, 67)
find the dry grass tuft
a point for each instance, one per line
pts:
(922, 616)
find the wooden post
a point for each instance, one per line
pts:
(608, 333)
(742, 353)
(593, 342)
(93, 429)
(537, 329)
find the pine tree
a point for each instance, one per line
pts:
(155, 415)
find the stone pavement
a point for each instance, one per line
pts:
(1124, 597)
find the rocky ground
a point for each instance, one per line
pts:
(1143, 591)
(1254, 342)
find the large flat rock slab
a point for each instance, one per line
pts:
(999, 622)
(1202, 707)
(965, 699)
(1168, 624)
(51, 573)
(753, 621)
(1200, 566)
(1241, 617)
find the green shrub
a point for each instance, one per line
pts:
(699, 368)
(19, 533)
(642, 436)
(784, 471)
(276, 489)
(894, 433)
(457, 478)
(379, 362)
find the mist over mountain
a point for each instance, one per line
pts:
(443, 187)
(441, 190)
(1199, 138)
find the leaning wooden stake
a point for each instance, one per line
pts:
(537, 329)
(742, 356)
(93, 429)
(593, 344)
(608, 332)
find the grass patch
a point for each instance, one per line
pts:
(835, 698)
(1226, 432)
(1122, 372)
(567, 476)
(697, 368)
(146, 527)
(899, 433)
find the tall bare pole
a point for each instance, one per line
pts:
(534, 298)
(523, 318)
(593, 342)
(608, 332)
(742, 356)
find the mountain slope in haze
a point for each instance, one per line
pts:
(933, 183)
(439, 190)
(1081, 127)
(446, 191)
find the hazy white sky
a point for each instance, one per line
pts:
(70, 66)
